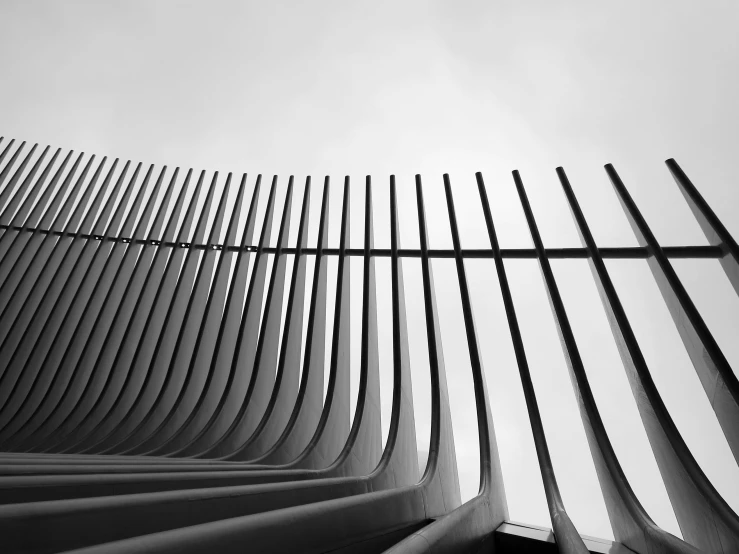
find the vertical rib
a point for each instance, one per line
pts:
(54, 373)
(711, 225)
(442, 462)
(308, 407)
(285, 391)
(186, 441)
(160, 359)
(20, 243)
(113, 379)
(567, 537)
(29, 203)
(42, 212)
(243, 361)
(143, 438)
(48, 336)
(96, 325)
(14, 179)
(18, 344)
(333, 427)
(363, 448)
(702, 514)
(198, 376)
(491, 476)
(10, 237)
(630, 522)
(143, 334)
(7, 215)
(5, 152)
(265, 359)
(400, 456)
(21, 282)
(257, 393)
(718, 380)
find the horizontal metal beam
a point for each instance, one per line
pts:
(613, 252)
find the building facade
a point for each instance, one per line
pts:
(153, 397)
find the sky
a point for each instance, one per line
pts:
(431, 87)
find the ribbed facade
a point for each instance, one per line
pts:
(153, 397)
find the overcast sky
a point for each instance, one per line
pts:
(356, 88)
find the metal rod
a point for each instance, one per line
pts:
(718, 379)
(242, 364)
(285, 389)
(262, 380)
(189, 339)
(620, 252)
(403, 458)
(107, 390)
(9, 188)
(47, 337)
(140, 339)
(568, 539)
(307, 411)
(705, 519)
(87, 376)
(709, 222)
(364, 435)
(20, 242)
(491, 476)
(54, 373)
(333, 426)
(630, 522)
(8, 214)
(186, 439)
(442, 463)
(161, 359)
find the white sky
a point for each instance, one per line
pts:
(431, 87)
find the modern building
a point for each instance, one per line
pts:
(153, 397)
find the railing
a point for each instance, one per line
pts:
(151, 394)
